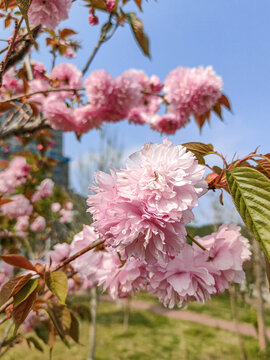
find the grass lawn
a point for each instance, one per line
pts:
(150, 336)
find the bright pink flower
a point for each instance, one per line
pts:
(144, 208)
(19, 206)
(122, 280)
(44, 190)
(39, 70)
(59, 115)
(69, 77)
(110, 4)
(93, 20)
(228, 250)
(48, 13)
(184, 278)
(38, 224)
(167, 124)
(192, 91)
(86, 118)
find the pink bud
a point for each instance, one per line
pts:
(40, 147)
(110, 4)
(93, 20)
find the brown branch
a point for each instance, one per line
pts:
(6, 304)
(78, 254)
(10, 48)
(19, 97)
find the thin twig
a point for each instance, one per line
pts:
(196, 242)
(7, 329)
(102, 38)
(19, 97)
(79, 253)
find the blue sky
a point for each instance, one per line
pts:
(232, 36)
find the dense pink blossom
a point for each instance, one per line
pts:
(86, 118)
(59, 115)
(66, 76)
(11, 84)
(228, 250)
(21, 225)
(122, 280)
(167, 124)
(19, 206)
(192, 90)
(15, 175)
(44, 190)
(38, 85)
(184, 278)
(38, 224)
(144, 208)
(39, 70)
(48, 13)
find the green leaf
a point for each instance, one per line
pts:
(250, 191)
(42, 331)
(57, 282)
(26, 290)
(61, 318)
(74, 328)
(137, 29)
(35, 342)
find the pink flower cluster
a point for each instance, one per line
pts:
(19, 206)
(48, 13)
(141, 211)
(192, 91)
(132, 95)
(14, 176)
(144, 208)
(195, 275)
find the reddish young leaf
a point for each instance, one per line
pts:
(223, 100)
(20, 283)
(5, 201)
(4, 106)
(18, 261)
(138, 31)
(139, 3)
(66, 33)
(21, 312)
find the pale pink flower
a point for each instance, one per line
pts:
(55, 207)
(66, 216)
(19, 206)
(122, 280)
(192, 91)
(184, 278)
(69, 53)
(48, 13)
(228, 250)
(38, 224)
(144, 208)
(67, 76)
(59, 115)
(22, 223)
(69, 205)
(59, 253)
(6, 272)
(11, 84)
(44, 190)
